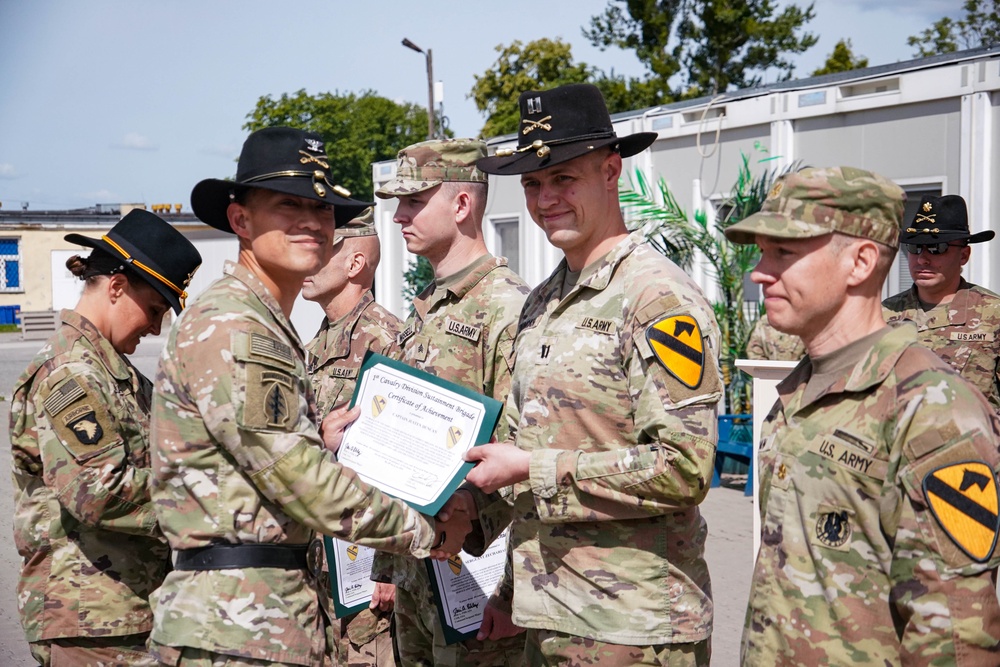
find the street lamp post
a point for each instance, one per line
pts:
(430, 85)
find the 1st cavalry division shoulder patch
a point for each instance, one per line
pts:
(678, 346)
(963, 499)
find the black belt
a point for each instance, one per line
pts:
(230, 556)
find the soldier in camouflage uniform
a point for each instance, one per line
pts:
(767, 343)
(612, 411)
(461, 329)
(957, 320)
(354, 324)
(79, 430)
(243, 476)
(878, 488)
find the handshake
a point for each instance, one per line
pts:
(453, 524)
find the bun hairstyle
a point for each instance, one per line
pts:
(100, 263)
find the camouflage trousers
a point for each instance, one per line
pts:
(419, 636)
(196, 657)
(94, 651)
(545, 648)
(362, 640)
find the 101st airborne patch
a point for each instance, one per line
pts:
(678, 346)
(963, 499)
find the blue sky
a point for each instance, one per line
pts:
(110, 101)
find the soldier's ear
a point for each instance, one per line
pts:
(237, 215)
(356, 264)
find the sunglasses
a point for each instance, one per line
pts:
(932, 248)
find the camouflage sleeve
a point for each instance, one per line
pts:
(669, 466)
(755, 344)
(260, 416)
(944, 560)
(84, 456)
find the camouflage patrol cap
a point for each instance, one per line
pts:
(361, 225)
(428, 164)
(816, 202)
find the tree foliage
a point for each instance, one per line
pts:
(979, 27)
(673, 232)
(842, 59)
(358, 129)
(716, 45)
(418, 275)
(544, 64)
(537, 65)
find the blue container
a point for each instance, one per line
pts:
(9, 314)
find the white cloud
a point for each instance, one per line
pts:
(134, 141)
(7, 170)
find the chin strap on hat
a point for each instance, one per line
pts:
(182, 295)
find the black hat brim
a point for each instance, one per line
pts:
(528, 161)
(926, 238)
(100, 244)
(210, 199)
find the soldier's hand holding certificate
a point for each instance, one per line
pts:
(413, 431)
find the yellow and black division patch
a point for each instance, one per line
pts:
(455, 564)
(454, 434)
(963, 499)
(678, 346)
(378, 405)
(352, 551)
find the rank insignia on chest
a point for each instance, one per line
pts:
(963, 499)
(83, 422)
(677, 344)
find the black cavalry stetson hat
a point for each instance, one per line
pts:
(942, 219)
(154, 249)
(282, 159)
(558, 125)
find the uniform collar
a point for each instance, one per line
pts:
(117, 365)
(474, 274)
(597, 275)
(872, 370)
(953, 313)
(334, 338)
(259, 289)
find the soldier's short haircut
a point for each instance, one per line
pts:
(478, 192)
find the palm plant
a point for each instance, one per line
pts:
(680, 237)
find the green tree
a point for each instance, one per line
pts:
(537, 65)
(979, 27)
(717, 44)
(358, 129)
(673, 232)
(842, 59)
(418, 275)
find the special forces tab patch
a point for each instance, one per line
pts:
(677, 344)
(963, 499)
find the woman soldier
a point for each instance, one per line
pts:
(83, 524)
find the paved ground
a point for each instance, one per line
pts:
(727, 511)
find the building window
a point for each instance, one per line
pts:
(10, 265)
(507, 242)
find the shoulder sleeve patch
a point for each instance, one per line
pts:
(964, 501)
(265, 346)
(677, 344)
(63, 397)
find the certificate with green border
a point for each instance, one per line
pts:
(413, 432)
(350, 566)
(462, 585)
